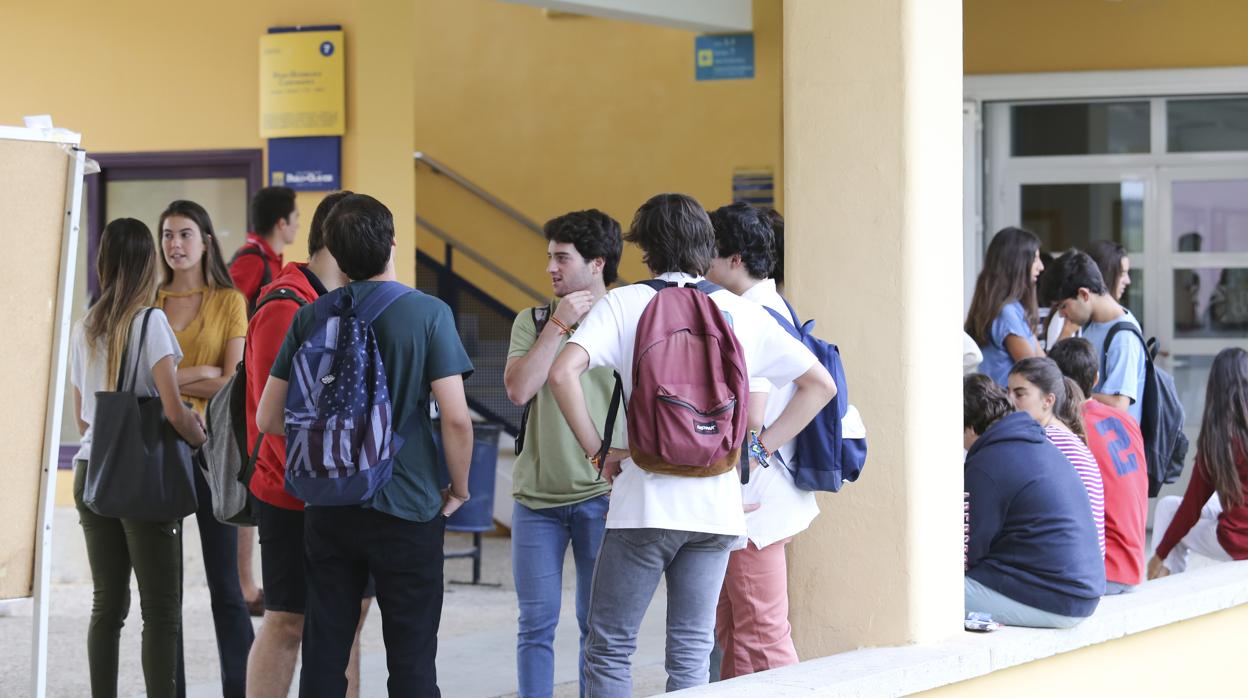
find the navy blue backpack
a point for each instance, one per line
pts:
(340, 433)
(827, 454)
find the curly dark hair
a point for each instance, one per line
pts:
(594, 234)
(983, 402)
(741, 229)
(674, 234)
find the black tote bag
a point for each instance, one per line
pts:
(140, 467)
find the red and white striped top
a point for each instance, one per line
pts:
(1089, 472)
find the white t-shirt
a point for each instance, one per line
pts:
(87, 368)
(641, 499)
(784, 509)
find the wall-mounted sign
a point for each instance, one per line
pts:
(313, 163)
(754, 185)
(724, 56)
(302, 83)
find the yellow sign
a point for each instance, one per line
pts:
(301, 84)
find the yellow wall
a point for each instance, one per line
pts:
(1193, 658)
(142, 75)
(553, 114)
(1024, 36)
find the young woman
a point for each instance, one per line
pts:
(112, 327)
(1003, 314)
(209, 318)
(1114, 264)
(1212, 518)
(1038, 388)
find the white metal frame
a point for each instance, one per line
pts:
(56, 389)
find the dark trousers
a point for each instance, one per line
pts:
(235, 633)
(343, 545)
(154, 551)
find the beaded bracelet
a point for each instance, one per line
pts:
(757, 450)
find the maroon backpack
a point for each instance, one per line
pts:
(687, 409)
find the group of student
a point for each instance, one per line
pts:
(1055, 474)
(719, 543)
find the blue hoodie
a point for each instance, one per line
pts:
(1032, 535)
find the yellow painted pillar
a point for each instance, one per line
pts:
(872, 117)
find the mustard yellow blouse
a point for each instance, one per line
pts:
(222, 316)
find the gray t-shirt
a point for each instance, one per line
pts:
(87, 368)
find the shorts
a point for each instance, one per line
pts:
(282, 559)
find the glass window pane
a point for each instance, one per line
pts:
(1074, 215)
(1201, 125)
(1211, 302)
(1210, 216)
(1191, 375)
(1079, 129)
(1133, 298)
(224, 199)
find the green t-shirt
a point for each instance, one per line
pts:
(418, 343)
(552, 469)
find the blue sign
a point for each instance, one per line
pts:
(755, 186)
(724, 57)
(312, 163)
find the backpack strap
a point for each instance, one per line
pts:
(657, 284)
(540, 314)
(1129, 327)
(281, 294)
(785, 323)
(250, 250)
(617, 399)
(792, 313)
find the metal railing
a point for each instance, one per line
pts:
(480, 193)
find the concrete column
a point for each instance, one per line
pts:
(872, 152)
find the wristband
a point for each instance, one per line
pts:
(757, 450)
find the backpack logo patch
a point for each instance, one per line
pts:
(706, 428)
(327, 379)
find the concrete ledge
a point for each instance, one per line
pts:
(897, 671)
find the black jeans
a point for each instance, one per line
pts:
(235, 633)
(345, 544)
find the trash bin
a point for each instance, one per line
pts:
(477, 515)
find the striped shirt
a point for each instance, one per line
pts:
(1089, 472)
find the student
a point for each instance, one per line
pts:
(1212, 518)
(398, 535)
(153, 549)
(209, 319)
(1038, 388)
(1032, 558)
(657, 524)
(1003, 314)
(1053, 327)
(1111, 258)
(279, 516)
(1115, 441)
(259, 260)
(559, 497)
(1084, 300)
(752, 619)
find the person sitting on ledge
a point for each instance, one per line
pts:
(1032, 559)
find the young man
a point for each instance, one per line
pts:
(398, 535)
(752, 621)
(1115, 440)
(659, 524)
(559, 496)
(1084, 300)
(1033, 558)
(279, 516)
(259, 260)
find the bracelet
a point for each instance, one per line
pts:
(559, 323)
(451, 493)
(757, 450)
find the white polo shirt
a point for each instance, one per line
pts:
(641, 499)
(784, 510)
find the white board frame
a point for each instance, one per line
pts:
(41, 587)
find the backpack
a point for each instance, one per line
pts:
(832, 448)
(540, 315)
(687, 409)
(340, 435)
(228, 463)
(1162, 415)
(266, 276)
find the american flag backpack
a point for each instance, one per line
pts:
(340, 436)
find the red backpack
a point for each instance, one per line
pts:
(687, 409)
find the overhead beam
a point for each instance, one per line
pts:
(703, 16)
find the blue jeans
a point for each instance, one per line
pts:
(539, 541)
(629, 567)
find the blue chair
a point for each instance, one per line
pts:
(477, 515)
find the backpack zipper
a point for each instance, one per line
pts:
(717, 411)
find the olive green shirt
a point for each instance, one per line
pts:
(552, 469)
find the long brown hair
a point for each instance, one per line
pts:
(216, 275)
(1224, 429)
(1006, 278)
(127, 271)
(1068, 399)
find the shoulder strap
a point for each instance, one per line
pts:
(657, 284)
(541, 315)
(1129, 327)
(617, 399)
(784, 322)
(250, 250)
(281, 294)
(376, 303)
(121, 365)
(707, 287)
(792, 313)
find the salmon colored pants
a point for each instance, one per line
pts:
(752, 620)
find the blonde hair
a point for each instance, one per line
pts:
(127, 273)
